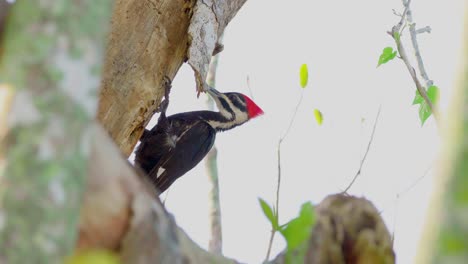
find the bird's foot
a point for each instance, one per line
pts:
(167, 88)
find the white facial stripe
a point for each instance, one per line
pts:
(223, 111)
(160, 172)
(241, 118)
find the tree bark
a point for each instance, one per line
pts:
(52, 53)
(445, 238)
(348, 230)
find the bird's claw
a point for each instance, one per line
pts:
(163, 106)
(167, 88)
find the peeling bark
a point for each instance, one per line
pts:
(208, 23)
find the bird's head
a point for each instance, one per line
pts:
(237, 108)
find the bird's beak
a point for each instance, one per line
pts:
(213, 92)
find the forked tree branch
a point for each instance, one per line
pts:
(396, 33)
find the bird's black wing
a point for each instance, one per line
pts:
(191, 147)
(152, 147)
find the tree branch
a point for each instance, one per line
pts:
(365, 154)
(278, 185)
(215, 244)
(396, 35)
(414, 41)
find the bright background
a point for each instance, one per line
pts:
(341, 42)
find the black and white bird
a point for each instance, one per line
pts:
(179, 142)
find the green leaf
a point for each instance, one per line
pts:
(268, 211)
(424, 112)
(397, 36)
(298, 230)
(424, 109)
(304, 75)
(387, 55)
(433, 94)
(318, 116)
(418, 98)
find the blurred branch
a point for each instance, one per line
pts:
(445, 233)
(211, 163)
(365, 154)
(250, 89)
(48, 140)
(4, 10)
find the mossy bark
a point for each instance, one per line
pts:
(52, 56)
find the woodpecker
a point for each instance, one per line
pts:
(177, 143)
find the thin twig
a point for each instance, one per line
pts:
(426, 29)
(394, 221)
(279, 173)
(415, 182)
(414, 41)
(365, 154)
(292, 119)
(270, 243)
(400, 194)
(250, 90)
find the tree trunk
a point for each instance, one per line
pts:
(445, 239)
(52, 53)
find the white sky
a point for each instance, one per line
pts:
(341, 42)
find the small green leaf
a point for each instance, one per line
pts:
(424, 109)
(433, 94)
(387, 55)
(318, 116)
(397, 36)
(304, 75)
(418, 98)
(424, 112)
(268, 211)
(298, 230)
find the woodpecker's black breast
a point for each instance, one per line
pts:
(173, 147)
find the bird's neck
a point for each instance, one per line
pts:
(221, 122)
